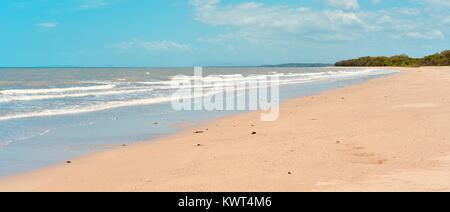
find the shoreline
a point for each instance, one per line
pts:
(134, 124)
(317, 145)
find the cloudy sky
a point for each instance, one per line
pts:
(216, 32)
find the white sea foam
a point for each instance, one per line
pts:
(71, 95)
(156, 91)
(23, 137)
(55, 90)
(284, 78)
(87, 109)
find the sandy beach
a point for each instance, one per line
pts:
(389, 134)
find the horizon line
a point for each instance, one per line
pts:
(208, 66)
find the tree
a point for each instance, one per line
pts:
(438, 59)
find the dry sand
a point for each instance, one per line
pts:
(389, 134)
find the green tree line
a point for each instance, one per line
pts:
(438, 59)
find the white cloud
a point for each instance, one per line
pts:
(376, 2)
(279, 17)
(47, 25)
(429, 35)
(91, 4)
(154, 46)
(257, 22)
(268, 24)
(344, 4)
(445, 3)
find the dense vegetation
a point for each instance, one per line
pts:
(438, 59)
(298, 65)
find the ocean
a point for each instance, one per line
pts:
(49, 115)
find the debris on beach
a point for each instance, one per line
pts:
(68, 162)
(381, 162)
(253, 133)
(198, 132)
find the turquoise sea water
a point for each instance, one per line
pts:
(50, 115)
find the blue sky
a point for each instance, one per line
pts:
(216, 32)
